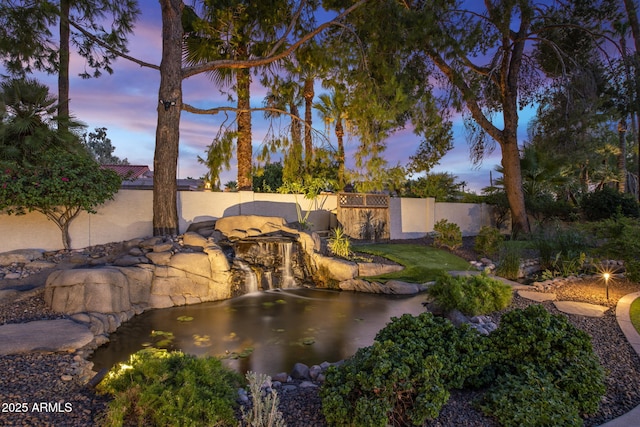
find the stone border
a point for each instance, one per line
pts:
(631, 418)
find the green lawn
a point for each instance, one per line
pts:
(422, 263)
(634, 313)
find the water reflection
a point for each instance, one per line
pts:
(269, 330)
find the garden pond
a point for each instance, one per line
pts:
(264, 332)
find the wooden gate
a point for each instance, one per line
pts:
(364, 216)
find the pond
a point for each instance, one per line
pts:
(266, 332)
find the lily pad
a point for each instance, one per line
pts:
(185, 319)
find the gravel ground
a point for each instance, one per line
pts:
(51, 400)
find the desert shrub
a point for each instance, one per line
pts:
(404, 378)
(159, 388)
(447, 234)
(533, 340)
(472, 295)
(339, 243)
(264, 410)
(509, 260)
(607, 202)
(488, 241)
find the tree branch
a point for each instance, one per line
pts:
(109, 48)
(235, 64)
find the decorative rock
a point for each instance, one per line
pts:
(392, 287)
(66, 378)
(338, 269)
(102, 290)
(397, 287)
(300, 372)
(43, 335)
(282, 377)
(537, 296)
(366, 269)
(307, 384)
(314, 371)
(129, 260)
(162, 247)
(194, 239)
(160, 258)
(581, 308)
(12, 276)
(20, 256)
(457, 318)
(40, 265)
(151, 242)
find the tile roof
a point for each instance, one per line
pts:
(130, 171)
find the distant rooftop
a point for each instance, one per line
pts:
(130, 171)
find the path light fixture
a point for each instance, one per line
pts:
(606, 276)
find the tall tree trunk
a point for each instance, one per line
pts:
(622, 156)
(245, 149)
(632, 14)
(63, 72)
(165, 161)
(340, 138)
(513, 186)
(308, 94)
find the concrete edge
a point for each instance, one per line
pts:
(631, 418)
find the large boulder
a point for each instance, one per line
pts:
(102, 290)
(248, 224)
(44, 336)
(195, 263)
(337, 269)
(367, 269)
(391, 287)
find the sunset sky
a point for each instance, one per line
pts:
(126, 102)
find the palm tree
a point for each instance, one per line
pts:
(285, 94)
(28, 122)
(241, 31)
(333, 109)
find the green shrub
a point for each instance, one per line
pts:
(159, 388)
(488, 241)
(509, 261)
(472, 295)
(447, 234)
(529, 399)
(405, 376)
(619, 234)
(559, 246)
(339, 243)
(534, 340)
(607, 202)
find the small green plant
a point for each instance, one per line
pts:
(447, 234)
(404, 378)
(472, 295)
(488, 241)
(264, 407)
(160, 388)
(565, 267)
(339, 243)
(509, 261)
